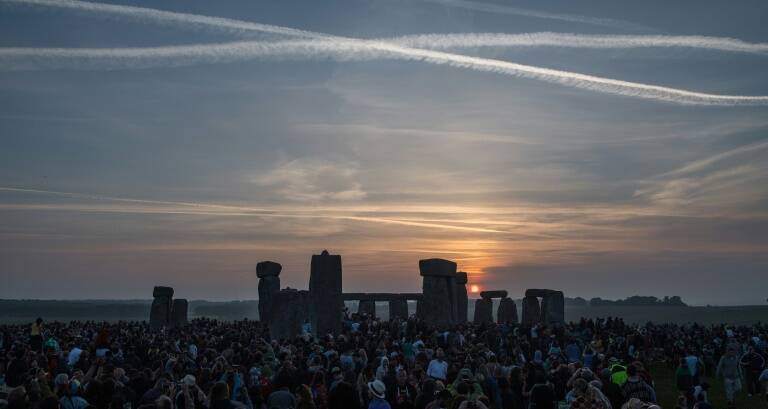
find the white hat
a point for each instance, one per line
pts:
(377, 388)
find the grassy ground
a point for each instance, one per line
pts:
(664, 378)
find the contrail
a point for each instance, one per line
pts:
(701, 164)
(354, 49)
(347, 50)
(502, 9)
(220, 210)
(568, 40)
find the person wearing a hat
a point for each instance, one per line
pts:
(377, 390)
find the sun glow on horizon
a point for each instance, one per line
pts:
(474, 288)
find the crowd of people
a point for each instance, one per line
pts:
(376, 364)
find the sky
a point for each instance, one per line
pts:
(600, 148)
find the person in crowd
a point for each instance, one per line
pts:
(372, 363)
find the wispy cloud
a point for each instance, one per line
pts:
(516, 11)
(313, 180)
(341, 48)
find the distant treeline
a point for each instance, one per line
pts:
(130, 310)
(634, 301)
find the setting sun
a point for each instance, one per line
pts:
(474, 288)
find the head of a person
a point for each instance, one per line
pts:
(580, 387)
(38, 321)
(163, 402)
(377, 389)
(631, 371)
(440, 354)
(220, 391)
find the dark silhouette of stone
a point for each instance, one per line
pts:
(531, 310)
(367, 307)
(268, 269)
(179, 312)
(437, 267)
(483, 311)
(160, 312)
(438, 304)
(398, 309)
(553, 308)
(269, 285)
(325, 305)
(462, 300)
(292, 308)
(493, 294)
(380, 296)
(507, 312)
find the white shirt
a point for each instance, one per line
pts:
(438, 369)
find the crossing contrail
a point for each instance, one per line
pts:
(452, 41)
(335, 47)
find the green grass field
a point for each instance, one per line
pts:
(666, 392)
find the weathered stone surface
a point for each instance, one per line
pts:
(531, 310)
(326, 304)
(268, 269)
(438, 304)
(179, 312)
(483, 311)
(437, 267)
(538, 292)
(462, 300)
(268, 287)
(292, 308)
(398, 309)
(367, 307)
(493, 294)
(507, 312)
(160, 312)
(553, 307)
(461, 278)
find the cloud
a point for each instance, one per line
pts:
(341, 48)
(503, 9)
(310, 180)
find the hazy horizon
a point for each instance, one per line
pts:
(602, 149)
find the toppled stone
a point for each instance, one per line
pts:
(507, 312)
(483, 311)
(326, 304)
(493, 294)
(268, 269)
(179, 312)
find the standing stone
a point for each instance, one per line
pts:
(531, 311)
(325, 303)
(462, 300)
(483, 311)
(269, 285)
(507, 312)
(398, 309)
(179, 312)
(367, 307)
(292, 308)
(160, 313)
(438, 303)
(553, 308)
